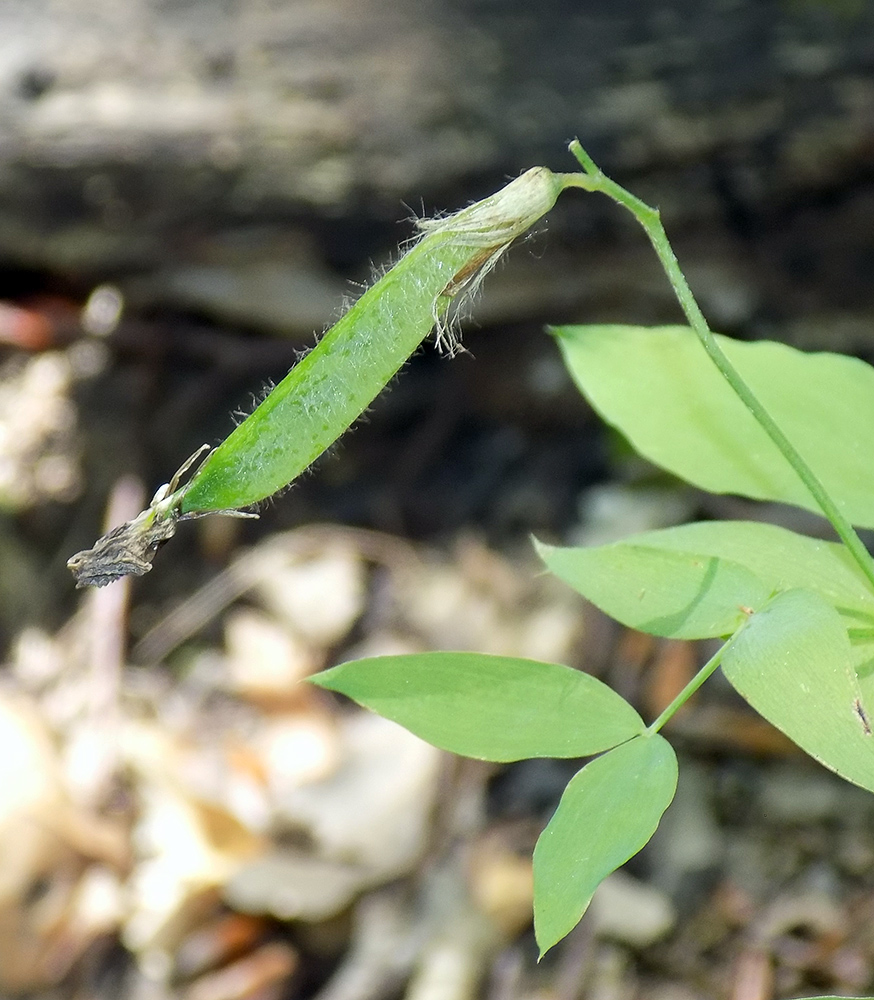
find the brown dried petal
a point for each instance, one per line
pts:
(124, 551)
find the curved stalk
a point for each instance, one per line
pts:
(650, 220)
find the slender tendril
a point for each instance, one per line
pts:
(649, 218)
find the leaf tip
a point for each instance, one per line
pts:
(542, 946)
(542, 949)
(323, 679)
(547, 940)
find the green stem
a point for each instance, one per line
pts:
(649, 218)
(690, 689)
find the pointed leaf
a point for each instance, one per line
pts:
(659, 388)
(794, 664)
(685, 595)
(607, 813)
(491, 707)
(780, 559)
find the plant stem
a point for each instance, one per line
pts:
(649, 218)
(690, 689)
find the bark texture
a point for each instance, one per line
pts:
(230, 154)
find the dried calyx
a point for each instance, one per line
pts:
(129, 549)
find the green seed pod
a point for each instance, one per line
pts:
(333, 385)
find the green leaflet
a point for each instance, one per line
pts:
(692, 581)
(681, 594)
(492, 707)
(794, 664)
(659, 388)
(607, 813)
(781, 559)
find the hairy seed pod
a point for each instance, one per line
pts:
(333, 385)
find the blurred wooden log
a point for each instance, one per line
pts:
(162, 139)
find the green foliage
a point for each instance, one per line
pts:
(760, 420)
(491, 707)
(684, 595)
(659, 388)
(781, 559)
(608, 811)
(717, 569)
(793, 663)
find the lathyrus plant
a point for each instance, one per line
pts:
(760, 420)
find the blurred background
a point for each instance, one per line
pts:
(189, 192)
